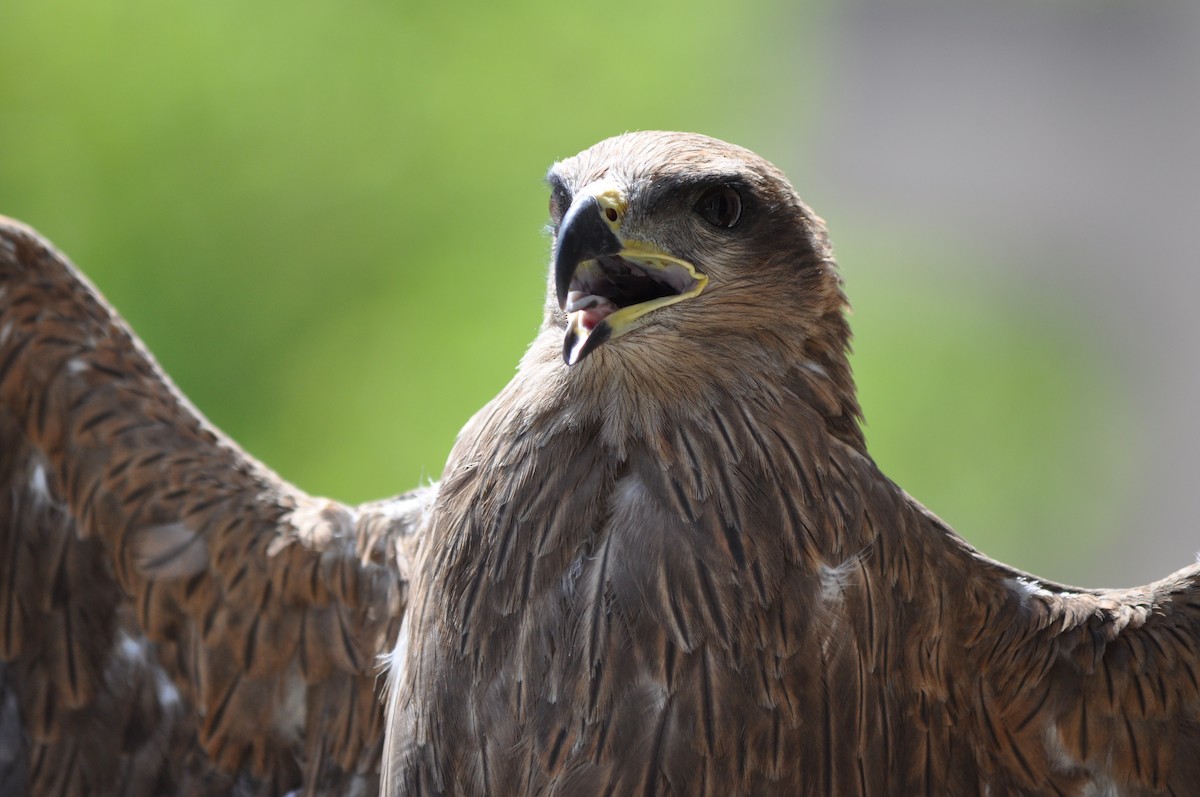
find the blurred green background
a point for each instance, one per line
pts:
(325, 219)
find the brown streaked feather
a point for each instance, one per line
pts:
(160, 584)
(672, 569)
(709, 588)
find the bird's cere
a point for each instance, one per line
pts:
(611, 199)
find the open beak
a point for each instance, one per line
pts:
(604, 282)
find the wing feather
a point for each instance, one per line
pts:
(158, 580)
(1085, 688)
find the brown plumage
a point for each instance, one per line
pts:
(667, 568)
(174, 617)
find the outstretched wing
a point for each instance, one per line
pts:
(174, 617)
(1085, 692)
(996, 683)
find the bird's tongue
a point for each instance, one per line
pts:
(588, 319)
(587, 310)
(584, 314)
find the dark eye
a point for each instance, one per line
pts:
(720, 206)
(560, 201)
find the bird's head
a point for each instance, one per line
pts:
(670, 242)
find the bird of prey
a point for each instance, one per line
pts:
(659, 562)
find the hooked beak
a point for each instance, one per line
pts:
(604, 282)
(583, 235)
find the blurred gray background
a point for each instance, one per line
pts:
(1055, 143)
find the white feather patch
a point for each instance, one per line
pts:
(134, 651)
(170, 550)
(815, 368)
(835, 580)
(1056, 751)
(290, 712)
(1105, 788)
(1025, 588)
(39, 485)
